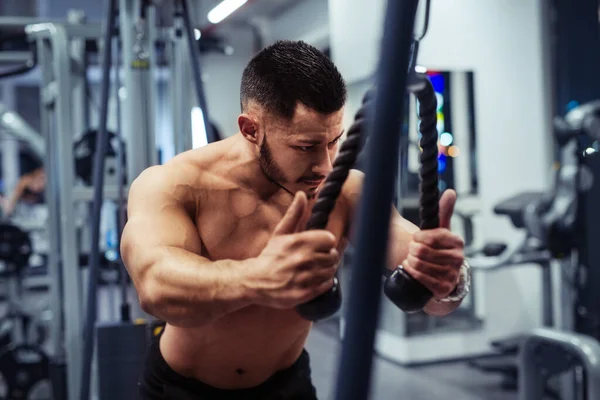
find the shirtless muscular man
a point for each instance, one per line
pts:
(216, 247)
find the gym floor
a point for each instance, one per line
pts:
(391, 381)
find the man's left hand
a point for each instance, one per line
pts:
(435, 256)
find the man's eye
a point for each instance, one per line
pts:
(305, 148)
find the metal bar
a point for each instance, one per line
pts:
(182, 133)
(56, 336)
(583, 348)
(547, 299)
(136, 76)
(174, 85)
(151, 85)
(13, 294)
(194, 53)
(85, 193)
(121, 199)
(9, 22)
(354, 374)
(14, 57)
(18, 128)
(78, 77)
(43, 29)
(70, 257)
(10, 148)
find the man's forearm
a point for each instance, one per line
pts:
(11, 202)
(187, 290)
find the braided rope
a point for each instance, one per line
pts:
(428, 173)
(330, 302)
(349, 150)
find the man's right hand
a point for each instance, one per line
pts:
(296, 265)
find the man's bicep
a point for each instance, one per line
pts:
(352, 191)
(401, 230)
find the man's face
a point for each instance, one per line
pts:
(299, 154)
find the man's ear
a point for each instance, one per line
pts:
(248, 127)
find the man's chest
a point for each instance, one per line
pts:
(241, 228)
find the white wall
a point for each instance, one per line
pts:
(502, 42)
(354, 36)
(223, 75)
(308, 20)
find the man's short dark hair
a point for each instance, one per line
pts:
(288, 72)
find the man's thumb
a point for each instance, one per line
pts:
(447, 203)
(293, 215)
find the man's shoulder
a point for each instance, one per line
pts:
(165, 175)
(187, 174)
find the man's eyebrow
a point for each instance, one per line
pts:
(315, 141)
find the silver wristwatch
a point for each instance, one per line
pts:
(462, 287)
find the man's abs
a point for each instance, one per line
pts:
(240, 350)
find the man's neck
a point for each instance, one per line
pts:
(253, 176)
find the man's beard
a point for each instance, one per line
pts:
(273, 172)
(268, 164)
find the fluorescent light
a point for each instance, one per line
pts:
(8, 118)
(223, 9)
(199, 138)
(197, 33)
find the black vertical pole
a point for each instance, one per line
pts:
(354, 373)
(98, 180)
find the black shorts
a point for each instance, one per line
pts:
(160, 381)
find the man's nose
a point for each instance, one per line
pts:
(324, 165)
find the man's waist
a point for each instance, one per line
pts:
(221, 363)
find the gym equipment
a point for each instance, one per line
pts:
(22, 368)
(546, 353)
(13, 124)
(405, 292)
(62, 55)
(15, 248)
(28, 64)
(84, 150)
(554, 220)
(137, 61)
(23, 364)
(550, 219)
(526, 250)
(354, 373)
(98, 182)
(121, 349)
(330, 302)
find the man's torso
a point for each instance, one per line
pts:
(244, 348)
